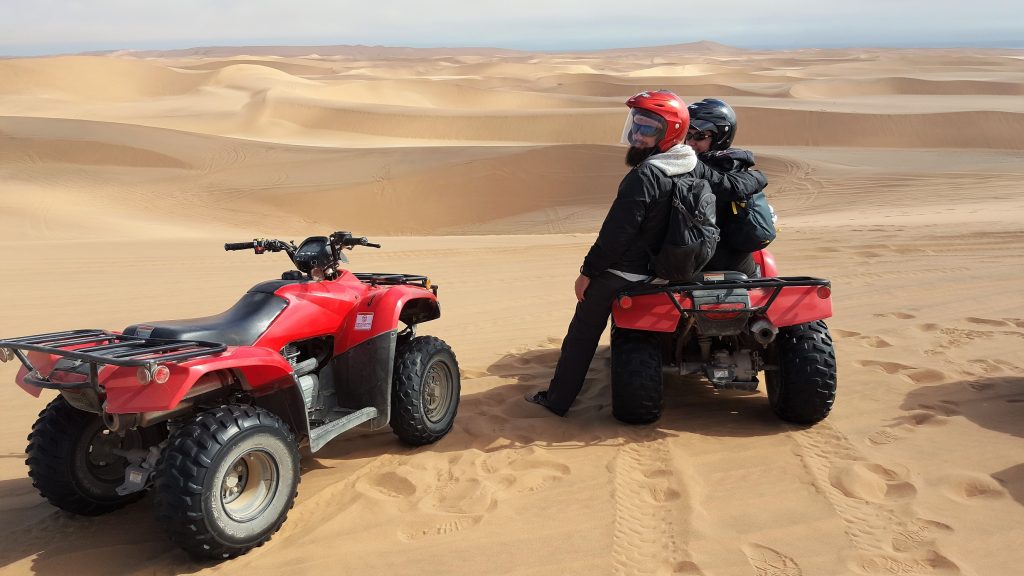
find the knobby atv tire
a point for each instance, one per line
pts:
(71, 463)
(637, 387)
(803, 388)
(226, 481)
(425, 391)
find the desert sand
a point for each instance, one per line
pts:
(896, 174)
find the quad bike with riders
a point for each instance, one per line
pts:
(210, 412)
(727, 328)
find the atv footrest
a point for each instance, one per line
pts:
(323, 434)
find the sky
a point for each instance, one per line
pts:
(41, 27)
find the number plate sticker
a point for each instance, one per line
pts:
(364, 321)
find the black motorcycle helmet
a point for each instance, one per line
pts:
(713, 115)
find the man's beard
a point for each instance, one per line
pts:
(635, 156)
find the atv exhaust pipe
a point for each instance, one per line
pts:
(764, 331)
(119, 423)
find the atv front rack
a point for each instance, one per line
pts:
(376, 278)
(774, 284)
(97, 348)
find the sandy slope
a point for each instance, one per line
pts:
(896, 173)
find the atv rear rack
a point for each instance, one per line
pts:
(375, 278)
(98, 347)
(775, 284)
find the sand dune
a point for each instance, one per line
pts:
(896, 174)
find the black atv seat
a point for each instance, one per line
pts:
(240, 325)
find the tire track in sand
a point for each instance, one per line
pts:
(647, 538)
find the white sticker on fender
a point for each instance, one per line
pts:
(364, 321)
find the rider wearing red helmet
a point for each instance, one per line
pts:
(633, 230)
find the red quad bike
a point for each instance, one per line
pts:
(210, 412)
(728, 328)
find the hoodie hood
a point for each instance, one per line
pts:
(677, 160)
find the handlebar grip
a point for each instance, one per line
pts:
(239, 246)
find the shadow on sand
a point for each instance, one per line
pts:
(996, 404)
(492, 416)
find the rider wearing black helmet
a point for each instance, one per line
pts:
(716, 117)
(712, 130)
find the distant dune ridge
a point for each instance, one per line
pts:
(896, 174)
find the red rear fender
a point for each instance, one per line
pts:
(261, 371)
(653, 312)
(794, 305)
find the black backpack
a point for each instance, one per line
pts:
(691, 236)
(746, 226)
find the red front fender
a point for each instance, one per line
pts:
(382, 312)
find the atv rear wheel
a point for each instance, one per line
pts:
(72, 463)
(803, 387)
(226, 481)
(425, 392)
(637, 387)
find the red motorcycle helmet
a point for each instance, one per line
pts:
(669, 107)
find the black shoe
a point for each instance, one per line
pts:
(541, 398)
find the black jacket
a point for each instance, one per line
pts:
(727, 172)
(635, 225)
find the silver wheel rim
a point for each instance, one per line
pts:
(437, 391)
(249, 486)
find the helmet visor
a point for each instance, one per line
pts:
(643, 129)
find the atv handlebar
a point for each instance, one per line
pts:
(261, 245)
(348, 241)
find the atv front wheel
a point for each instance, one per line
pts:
(637, 387)
(226, 481)
(803, 387)
(72, 463)
(425, 392)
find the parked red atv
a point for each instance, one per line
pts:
(210, 412)
(728, 328)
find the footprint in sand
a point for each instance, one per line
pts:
(882, 437)
(437, 526)
(911, 373)
(769, 562)
(916, 534)
(872, 482)
(898, 315)
(388, 484)
(986, 366)
(865, 340)
(460, 494)
(980, 386)
(874, 342)
(518, 471)
(986, 321)
(971, 487)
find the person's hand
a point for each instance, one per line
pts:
(581, 286)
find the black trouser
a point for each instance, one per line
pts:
(580, 344)
(725, 258)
